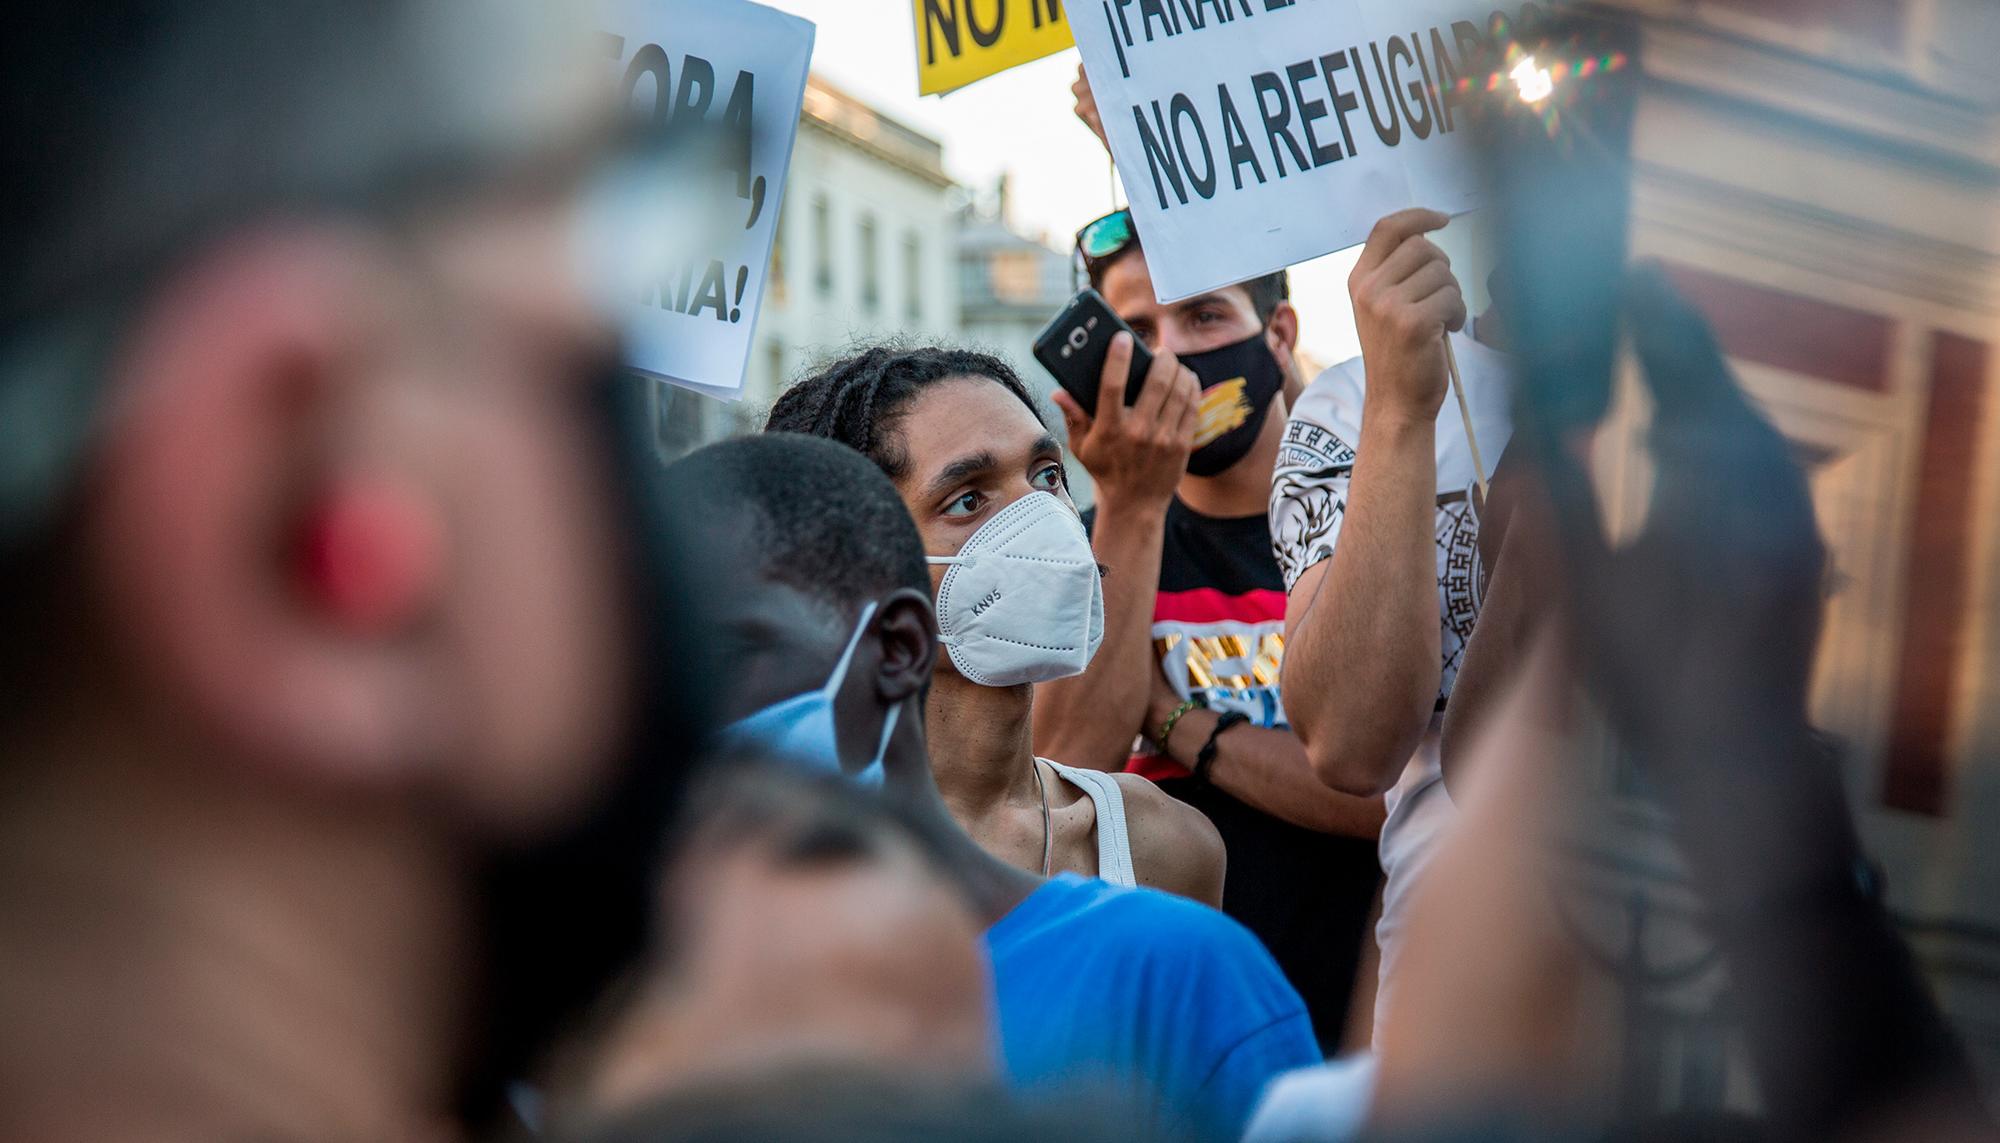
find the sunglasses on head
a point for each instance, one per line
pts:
(1109, 237)
(1102, 238)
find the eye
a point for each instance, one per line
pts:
(1050, 478)
(965, 504)
(1207, 316)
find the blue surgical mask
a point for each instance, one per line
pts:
(801, 729)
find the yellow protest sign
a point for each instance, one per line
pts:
(959, 41)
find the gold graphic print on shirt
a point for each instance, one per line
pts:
(1224, 406)
(1222, 662)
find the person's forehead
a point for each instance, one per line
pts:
(759, 606)
(964, 414)
(1127, 285)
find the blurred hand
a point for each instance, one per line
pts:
(1699, 639)
(1136, 455)
(1727, 576)
(1405, 299)
(1086, 106)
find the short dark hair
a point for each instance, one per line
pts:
(858, 399)
(805, 820)
(820, 517)
(746, 800)
(1265, 292)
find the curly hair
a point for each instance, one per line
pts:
(858, 399)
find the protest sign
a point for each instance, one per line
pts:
(1255, 134)
(727, 78)
(959, 41)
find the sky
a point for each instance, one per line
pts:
(1021, 122)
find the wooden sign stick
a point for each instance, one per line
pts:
(1465, 414)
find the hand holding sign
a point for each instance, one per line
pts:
(1405, 301)
(1086, 106)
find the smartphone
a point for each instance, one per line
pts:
(1073, 347)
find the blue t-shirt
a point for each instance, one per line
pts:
(1149, 996)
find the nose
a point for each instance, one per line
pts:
(1023, 489)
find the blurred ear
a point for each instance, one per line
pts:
(266, 562)
(1282, 334)
(909, 633)
(1283, 331)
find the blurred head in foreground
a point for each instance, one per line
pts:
(330, 580)
(809, 924)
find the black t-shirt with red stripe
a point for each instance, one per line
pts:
(1219, 632)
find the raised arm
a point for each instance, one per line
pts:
(1086, 106)
(1362, 643)
(1136, 456)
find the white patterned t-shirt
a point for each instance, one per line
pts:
(1308, 505)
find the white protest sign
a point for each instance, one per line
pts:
(737, 71)
(1255, 134)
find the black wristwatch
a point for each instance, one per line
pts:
(1206, 758)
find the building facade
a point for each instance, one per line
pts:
(1010, 285)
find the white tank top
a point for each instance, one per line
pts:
(1114, 845)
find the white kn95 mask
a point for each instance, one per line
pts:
(1022, 601)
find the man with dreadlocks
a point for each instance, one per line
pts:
(1018, 604)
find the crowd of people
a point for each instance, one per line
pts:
(395, 748)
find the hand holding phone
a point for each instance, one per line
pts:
(1074, 344)
(1131, 415)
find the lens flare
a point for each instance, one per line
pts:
(1533, 80)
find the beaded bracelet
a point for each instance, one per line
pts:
(1173, 720)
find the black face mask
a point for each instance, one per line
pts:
(565, 915)
(1237, 384)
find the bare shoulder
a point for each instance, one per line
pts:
(1174, 846)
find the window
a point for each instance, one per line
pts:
(913, 277)
(871, 266)
(822, 245)
(774, 359)
(974, 277)
(777, 274)
(1016, 276)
